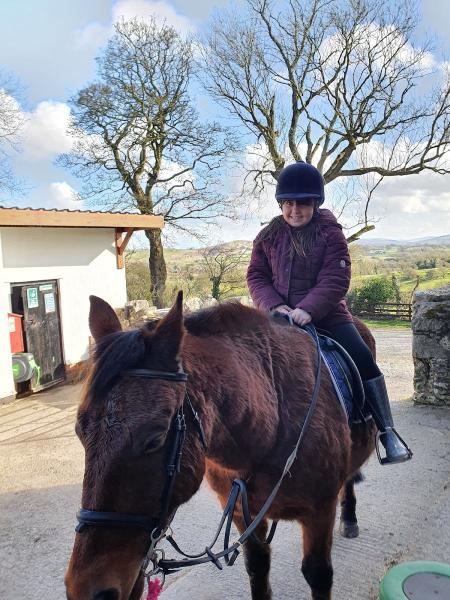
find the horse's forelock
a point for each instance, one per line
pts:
(114, 353)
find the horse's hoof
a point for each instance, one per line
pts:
(348, 529)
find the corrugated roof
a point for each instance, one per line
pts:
(68, 210)
(53, 217)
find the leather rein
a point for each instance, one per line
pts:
(154, 561)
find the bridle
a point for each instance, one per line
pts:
(114, 519)
(154, 525)
(158, 527)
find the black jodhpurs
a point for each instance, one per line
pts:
(348, 336)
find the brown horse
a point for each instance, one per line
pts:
(251, 382)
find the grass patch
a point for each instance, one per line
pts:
(387, 323)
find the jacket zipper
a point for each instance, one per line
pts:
(289, 279)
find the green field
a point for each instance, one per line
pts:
(420, 268)
(387, 324)
(428, 279)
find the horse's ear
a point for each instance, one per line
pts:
(102, 318)
(165, 340)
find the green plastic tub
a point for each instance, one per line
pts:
(416, 581)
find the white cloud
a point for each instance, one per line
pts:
(44, 135)
(414, 205)
(411, 207)
(63, 196)
(441, 204)
(262, 204)
(95, 35)
(431, 188)
(145, 9)
(171, 168)
(426, 61)
(92, 35)
(387, 45)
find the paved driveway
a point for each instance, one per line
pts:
(404, 511)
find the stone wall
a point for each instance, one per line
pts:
(431, 347)
(136, 312)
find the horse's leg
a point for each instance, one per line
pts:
(257, 559)
(256, 554)
(348, 526)
(317, 541)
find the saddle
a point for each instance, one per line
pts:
(346, 379)
(344, 373)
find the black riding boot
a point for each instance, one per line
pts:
(376, 395)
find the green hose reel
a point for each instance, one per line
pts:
(24, 368)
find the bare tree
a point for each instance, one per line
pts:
(138, 141)
(223, 264)
(336, 83)
(11, 122)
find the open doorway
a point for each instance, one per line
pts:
(38, 303)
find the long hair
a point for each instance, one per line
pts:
(302, 239)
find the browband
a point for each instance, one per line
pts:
(150, 374)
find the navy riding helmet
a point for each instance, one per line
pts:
(299, 182)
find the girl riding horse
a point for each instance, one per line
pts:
(300, 266)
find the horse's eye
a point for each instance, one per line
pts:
(148, 437)
(154, 443)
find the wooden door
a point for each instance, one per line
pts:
(42, 329)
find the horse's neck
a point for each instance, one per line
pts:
(236, 400)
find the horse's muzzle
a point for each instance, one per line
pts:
(111, 594)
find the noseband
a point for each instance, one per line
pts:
(154, 525)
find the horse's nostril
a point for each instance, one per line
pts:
(110, 594)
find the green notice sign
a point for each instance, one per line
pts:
(32, 298)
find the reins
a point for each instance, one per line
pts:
(156, 526)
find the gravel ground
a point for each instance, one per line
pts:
(404, 511)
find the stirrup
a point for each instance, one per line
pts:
(385, 460)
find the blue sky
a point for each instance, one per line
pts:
(50, 46)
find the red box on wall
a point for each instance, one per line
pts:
(15, 332)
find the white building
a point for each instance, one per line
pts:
(50, 262)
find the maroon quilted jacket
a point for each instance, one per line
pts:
(316, 283)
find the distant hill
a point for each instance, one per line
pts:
(441, 240)
(194, 254)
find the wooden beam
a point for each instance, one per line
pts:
(28, 217)
(126, 239)
(121, 244)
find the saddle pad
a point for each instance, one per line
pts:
(346, 380)
(343, 371)
(341, 383)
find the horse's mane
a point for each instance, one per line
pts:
(123, 350)
(227, 318)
